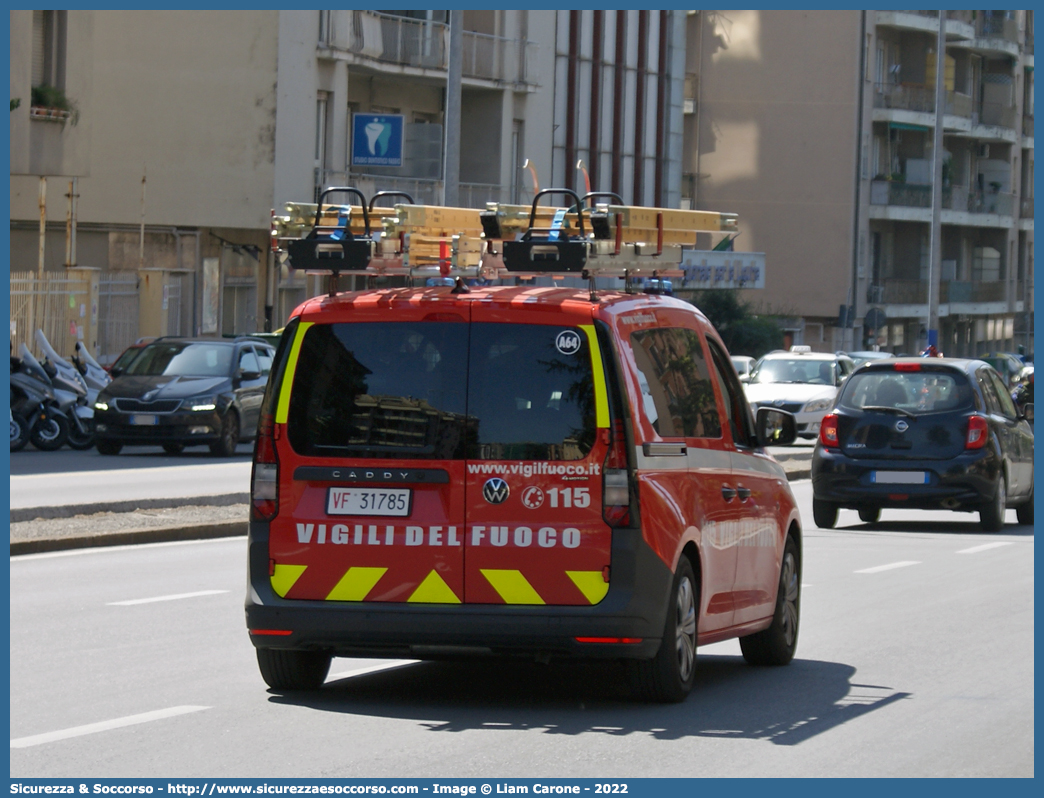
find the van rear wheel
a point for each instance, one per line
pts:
(668, 677)
(293, 670)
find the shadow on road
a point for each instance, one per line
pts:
(908, 528)
(731, 700)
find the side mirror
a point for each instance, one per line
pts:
(1027, 411)
(775, 427)
(744, 378)
(249, 375)
(116, 371)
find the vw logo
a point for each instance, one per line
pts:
(901, 426)
(778, 403)
(495, 491)
(567, 342)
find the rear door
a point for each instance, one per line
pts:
(538, 436)
(370, 438)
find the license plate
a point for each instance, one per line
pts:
(369, 501)
(899, 477)
(144, 421)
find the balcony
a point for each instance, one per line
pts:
(424, 44)
(1027, 126)
(915, 292)
(904, 97)
(958, 198)
(1026, 208)
(997, 27)
(998, 115)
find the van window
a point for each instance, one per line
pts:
(530, 392)
(678, 396)
(381, 389)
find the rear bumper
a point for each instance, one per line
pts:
(634, 607)
(962, 483)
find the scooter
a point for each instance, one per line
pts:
(33, 401)
(72, 393)
(92, 372)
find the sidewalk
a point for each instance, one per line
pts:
(87, 526)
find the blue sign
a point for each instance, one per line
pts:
(377, 139)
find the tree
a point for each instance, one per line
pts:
(740, 330)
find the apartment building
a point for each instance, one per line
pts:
(816, 127)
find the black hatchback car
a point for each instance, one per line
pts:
(182, 392)
(929, 434)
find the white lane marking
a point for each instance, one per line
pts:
(105, 725)
(49, 555)
(878, 568)
(388, 666)
(984, 547)
(173, 597)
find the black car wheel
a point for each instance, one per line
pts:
(776, 645)
(173, 448)
(293, 670)
(19, 433)
(50, 434)
(226, 446)
(870, 515)
(1024, 512)
(108, 447)
(668, 677)
(824, 513)
(991, 516)
(82, 441)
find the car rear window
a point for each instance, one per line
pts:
(443, 390)
(915, 392)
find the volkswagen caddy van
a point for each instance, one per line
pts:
(515, 471)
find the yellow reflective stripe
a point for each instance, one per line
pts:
(512, 586)
(598, 374)
(284, 577)
(433, 590)
(591, 583)
(356, 583)
(283, 408)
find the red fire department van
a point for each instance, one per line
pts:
(521, 471)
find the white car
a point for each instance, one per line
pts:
(801, 382)
(742, 364)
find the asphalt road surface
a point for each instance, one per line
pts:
(915, 659)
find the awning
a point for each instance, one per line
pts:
(906, 126)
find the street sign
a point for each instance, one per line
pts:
(377, 139)
(705, 269)
(875, 319)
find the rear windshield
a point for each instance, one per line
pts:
(443, 390)
(182, 360)
(915, 392)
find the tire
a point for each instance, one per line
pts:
(82, 442)
(19, 433)
(777, 644)
(991, 516)
(108, 447)
(824, 514)
(173, 448)
(870, 515)
(668, 677)
(226, 446)
(293, 670)
(1024, 512)
(50, 434)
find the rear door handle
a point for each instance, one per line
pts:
(728, 493)
(744, 493)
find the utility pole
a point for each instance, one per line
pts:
(451, 156)
(935, 250)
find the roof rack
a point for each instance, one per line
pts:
(586, 239)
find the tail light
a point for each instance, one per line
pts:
(977, 433)
(828, 431)
(616, 486)
(264, 481)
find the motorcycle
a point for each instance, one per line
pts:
(73, 395)
(92, 372)
(33, 401)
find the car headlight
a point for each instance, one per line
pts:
(101, 405)
(201, 404)
(818, 404)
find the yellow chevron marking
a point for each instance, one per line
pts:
(283, 408)
(356, 583)
(601, 400)
(284, 577)
(591, 584)
(433, 590)
(512, 586)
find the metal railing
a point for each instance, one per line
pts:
(425, 44)
(991, 27)
(50, 303)
(999, 114)
(904, 97)
(957, 198)
(915, 292)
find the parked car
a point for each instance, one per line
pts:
(119, 365)
(801, 382)
(939, 434)
(859, 358)
(180, 392)
(743, 365)
(1022, 393)
(511, 471)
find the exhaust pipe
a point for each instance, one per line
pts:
(951, 503)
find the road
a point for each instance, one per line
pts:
(915, 659)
